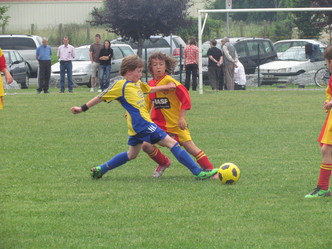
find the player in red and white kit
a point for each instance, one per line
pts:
(168, 111)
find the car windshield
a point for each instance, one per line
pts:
(82, 54)
(293, 54)
(6, 54)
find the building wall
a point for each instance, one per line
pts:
(45, 14)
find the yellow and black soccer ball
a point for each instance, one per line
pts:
(228, 173)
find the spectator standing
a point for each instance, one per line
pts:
(191, 63)
(105, 56)
(66, 54)
(230, 62)
(8, 77)
(215, 61)
(43, 55)
(95, 49)
(240, 77)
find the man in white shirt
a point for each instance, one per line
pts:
(66, 54)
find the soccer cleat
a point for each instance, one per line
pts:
(159, 171)
(205, 174)
(318, 192)
(99, 90)
(96, 172)
(92, 90)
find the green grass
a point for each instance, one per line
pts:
(49, 201)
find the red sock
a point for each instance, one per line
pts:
(324, 176)
(158, 157)
(203, 160)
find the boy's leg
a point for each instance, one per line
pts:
(200, 156)
(183, 157)
(326, 167)
(116, 161)
(322, 188)
(155, 154)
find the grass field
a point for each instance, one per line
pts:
(49, 201)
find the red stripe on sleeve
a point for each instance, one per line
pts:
(184, 97)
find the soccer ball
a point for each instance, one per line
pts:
(228, 173)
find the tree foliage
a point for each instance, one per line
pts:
(249, 4)
(326, 17)
(3, 18)
(139, 19)
(305, 21)
(309, 24)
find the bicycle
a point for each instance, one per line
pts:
(322, 77)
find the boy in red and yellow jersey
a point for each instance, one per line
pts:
(325, 140)
(8, 77)
(129, 92)
(168, 111)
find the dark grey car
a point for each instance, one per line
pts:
(251, 51)
(17, 67)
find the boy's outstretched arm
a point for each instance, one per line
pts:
(85, 107)
(168, 87)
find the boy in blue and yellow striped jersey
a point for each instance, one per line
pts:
(129, 92)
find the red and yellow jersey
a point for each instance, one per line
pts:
(131, 96)
(2, 61)
(325, 137)
(2, 67)
(165, 106)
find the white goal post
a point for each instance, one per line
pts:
(206, 12)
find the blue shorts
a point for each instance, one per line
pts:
(152, 135)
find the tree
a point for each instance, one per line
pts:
(326, 17)
(305, 21)
(139, 19)
(3, 18)
(248, 4)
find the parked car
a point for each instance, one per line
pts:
(291, 63)
(82, 64)
(157, 43)
(17, 67)
(283, 45)
(247, 50)
(26, 45)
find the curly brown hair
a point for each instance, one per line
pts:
(170, 61)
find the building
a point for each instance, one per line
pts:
(43, 14)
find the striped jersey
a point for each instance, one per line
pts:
(325, 137)
(131, 95)
(165, 106)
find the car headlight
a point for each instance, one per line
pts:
(80, 70)
(284, 70)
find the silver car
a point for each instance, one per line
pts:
(82, 64)
(290, 64)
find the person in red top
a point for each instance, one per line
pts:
(325, 140)
(191, 63)
(168, 110)
(8, 77)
